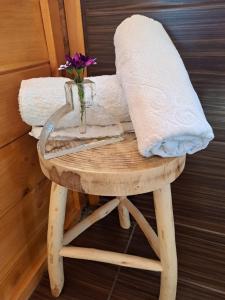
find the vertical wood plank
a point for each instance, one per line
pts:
(53, 33)
(22, 33)
(31, 38)
(31, 279)
(74, 25)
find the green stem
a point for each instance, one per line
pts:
(79, 77)
(82, 100)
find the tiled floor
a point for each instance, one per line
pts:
(86, 280)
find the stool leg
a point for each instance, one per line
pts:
(55, 237)
(124, 215)
(166, 234)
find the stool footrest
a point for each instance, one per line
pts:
(121, 259)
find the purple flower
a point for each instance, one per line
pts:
(78, 61)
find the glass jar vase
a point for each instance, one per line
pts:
(80, 96)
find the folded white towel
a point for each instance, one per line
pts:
(39, 98)
(165, 110)
(93, 131)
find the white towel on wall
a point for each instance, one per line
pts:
(39, 98)
(164, 108)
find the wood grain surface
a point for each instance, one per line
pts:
(112, 170)
(74, 26)
(22, 33)
(24, 191)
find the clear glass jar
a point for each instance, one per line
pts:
(80, 96)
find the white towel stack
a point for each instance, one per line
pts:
(151, 82)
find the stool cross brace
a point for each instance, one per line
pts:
(163, 244)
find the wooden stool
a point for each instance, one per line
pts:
(114, 170)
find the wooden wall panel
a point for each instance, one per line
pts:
(18, 228)
(19, 276)
(21, 31)
(74, 26)
(24, 192)
(19, 172)
(197, 27)
(198, 194)
(211, 90)
(64, 26)
(53, 33)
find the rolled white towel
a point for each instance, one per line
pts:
(164, 108)
(39, 98)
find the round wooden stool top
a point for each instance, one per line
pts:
(112, 170)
